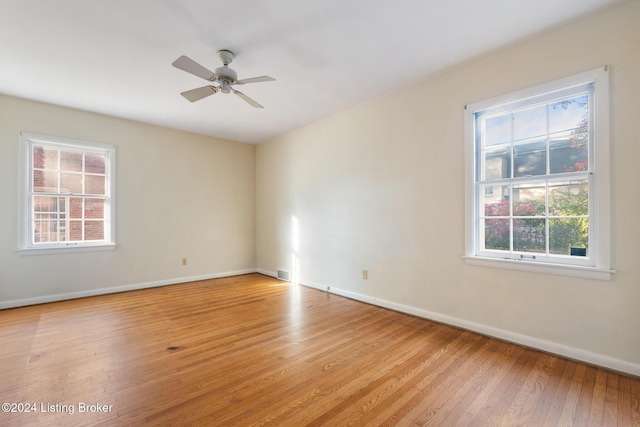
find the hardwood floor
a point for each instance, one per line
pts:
(250, 350)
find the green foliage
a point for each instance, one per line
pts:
(529, 231)
(566, 233)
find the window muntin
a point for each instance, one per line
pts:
(68, 199)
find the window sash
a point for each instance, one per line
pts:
(547, 247)
(64, 220)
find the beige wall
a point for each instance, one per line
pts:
(179, 195)
(381, 187)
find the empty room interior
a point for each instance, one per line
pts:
(319, 213)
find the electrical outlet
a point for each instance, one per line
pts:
(365, 274)
(184, 261)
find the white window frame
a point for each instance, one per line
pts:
(598, 265)
(26, 244)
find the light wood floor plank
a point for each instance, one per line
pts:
(568, 414)
(596, 414)
(251, 350)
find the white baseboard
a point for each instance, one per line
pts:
(267, 272)
(115, 289)
(525, 340)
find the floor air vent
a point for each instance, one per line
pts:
(283, 275)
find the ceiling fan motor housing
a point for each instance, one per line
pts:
(226, 74)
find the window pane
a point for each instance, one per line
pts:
(95, 163)
(568, 152)
(498, 129)
(45, 204)
(45, 228)
(569, 114)
(40, 231)
(567, 233)
(529, 199)
(495, 200)
(530, 123)
(45, 158)
(75, 207)
(70, 183)
(569, 198)
(75, 231)
(94, 208)
(94, 184)
(497, 163)
(529, 235)
(496, 234)
(62, 231)
(71, 161)
(45, 181)
(93, 230)
(530, 159)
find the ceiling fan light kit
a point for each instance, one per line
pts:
(225, 76)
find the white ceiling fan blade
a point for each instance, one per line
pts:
(190, 66)
(199, 93)
(255, 80)
(247, 99)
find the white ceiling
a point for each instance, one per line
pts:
(114, 56)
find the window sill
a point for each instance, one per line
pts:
(65, 250)
(581, 272)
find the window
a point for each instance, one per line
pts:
(537, 178)
(67, 195)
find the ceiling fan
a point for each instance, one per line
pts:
(223, 75)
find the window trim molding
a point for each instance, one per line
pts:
(601, 216)
(25, 247)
